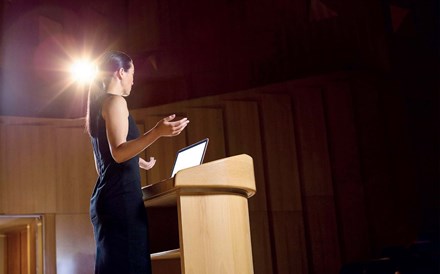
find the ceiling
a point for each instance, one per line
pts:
(200, 48)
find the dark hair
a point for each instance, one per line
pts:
(108, 63)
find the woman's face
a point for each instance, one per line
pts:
(127, 80)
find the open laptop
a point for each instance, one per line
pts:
(190, 156)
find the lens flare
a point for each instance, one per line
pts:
(83, 71)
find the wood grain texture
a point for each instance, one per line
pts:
(346, 172)
(235, 172)
(312, 142)
(261, 242)
(290, 242)
(50, 259)
(215, 234)
(30, 170)
(13, 251)
(75, 170)
(213, 224)
(281, 158)
(322, 234)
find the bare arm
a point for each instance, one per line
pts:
(115, 114)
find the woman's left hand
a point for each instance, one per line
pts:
(147, 164)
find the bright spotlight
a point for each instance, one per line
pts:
(83, 71)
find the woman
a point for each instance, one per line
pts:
(116, 208)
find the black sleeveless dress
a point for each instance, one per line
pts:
(117, 211)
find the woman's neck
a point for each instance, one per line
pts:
(114, 88)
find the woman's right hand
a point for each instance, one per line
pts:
(168, 128)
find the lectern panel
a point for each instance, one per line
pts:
(215, 234)
(212, 220)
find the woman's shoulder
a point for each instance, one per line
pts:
(112, 100)
(113, 103)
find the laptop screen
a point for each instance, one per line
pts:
(190, 156)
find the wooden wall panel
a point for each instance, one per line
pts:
(312, 142)
(280, 153)
(3, 159)
(32, 246)
(75, 170)
(30, 170)
(247, 139)
(261, 242)
(346, 174)
(39, 248)
(291, 254)
(3, 253)
(18, 244)
(13, 250)
(207, 122)
(322, 235)
(283, 184)
(75, 245)
(24, 255)
(49, 244)
(316, 180)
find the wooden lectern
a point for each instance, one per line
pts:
(210, 202)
